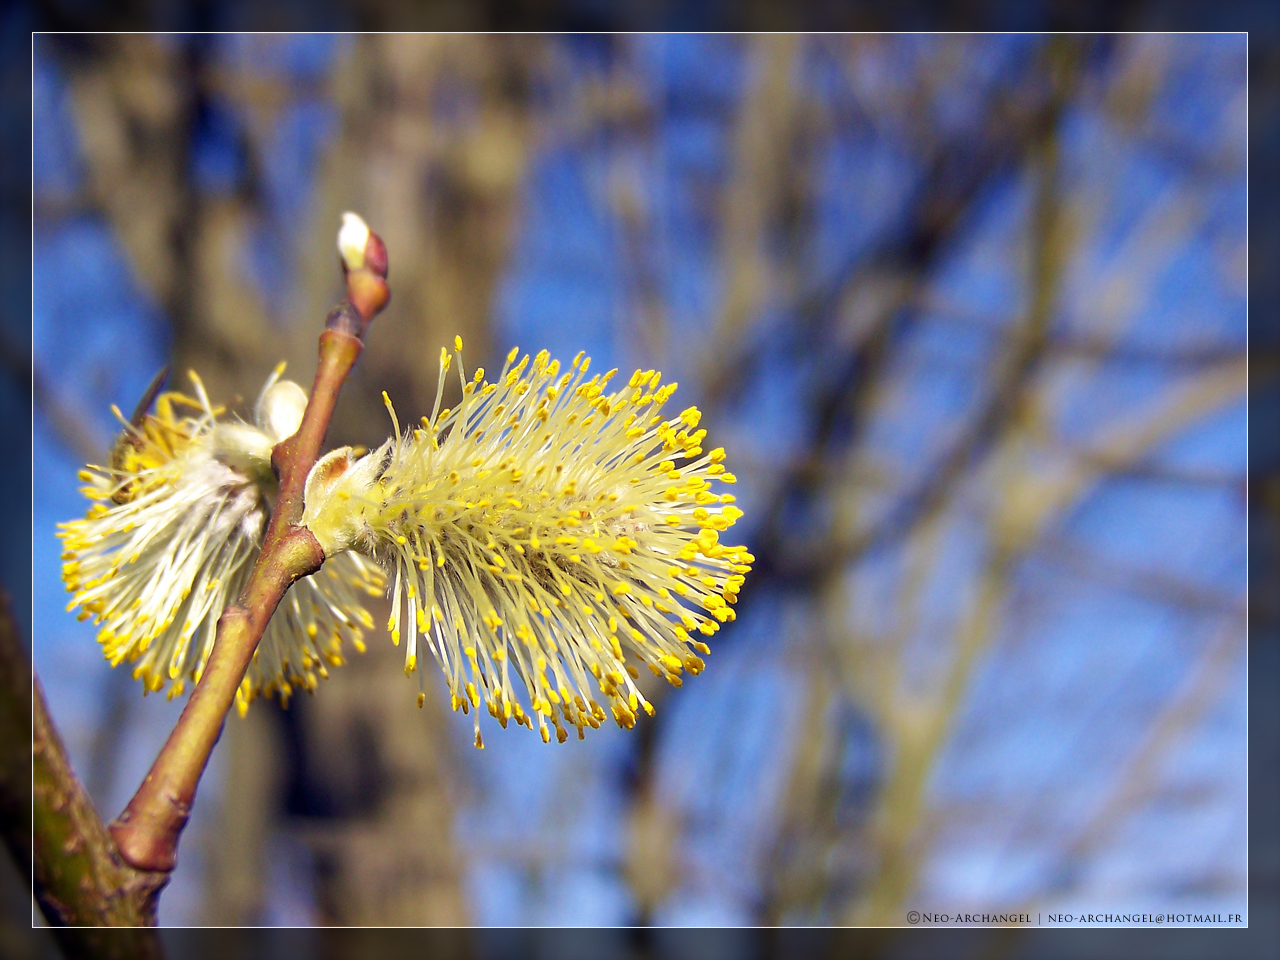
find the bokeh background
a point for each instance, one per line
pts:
(969, 315)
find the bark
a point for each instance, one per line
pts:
(52, 829)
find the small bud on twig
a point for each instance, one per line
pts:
(364, 264)
(352, 239)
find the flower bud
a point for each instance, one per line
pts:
(280, 409)
(353, 237)
(364, 265)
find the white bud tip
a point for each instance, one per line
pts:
(352, 239)
(280, 409)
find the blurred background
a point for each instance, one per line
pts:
(968, 314)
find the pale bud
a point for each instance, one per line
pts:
(243, 448)
(280, 409)
(278, 415)
(364, 266)
(336, 497)
(353, 237)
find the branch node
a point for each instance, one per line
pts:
(345, 318)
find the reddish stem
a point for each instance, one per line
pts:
(148, 830)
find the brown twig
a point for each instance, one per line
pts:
(148, 830)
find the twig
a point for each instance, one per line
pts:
(148, 830)
(1178, 593)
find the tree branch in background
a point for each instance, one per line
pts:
(139, 104)
(915, 744)
(1200, 691)
(763, 137)
(958, 177)
(621, 107)
(69, 428)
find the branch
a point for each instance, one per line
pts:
(52, 830)
(954, 181)
(957, 178)
(1186, 596)
(69, 428)
(148, 830)
(1201, 689)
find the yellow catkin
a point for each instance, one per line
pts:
(175, 526)
(572, 528)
